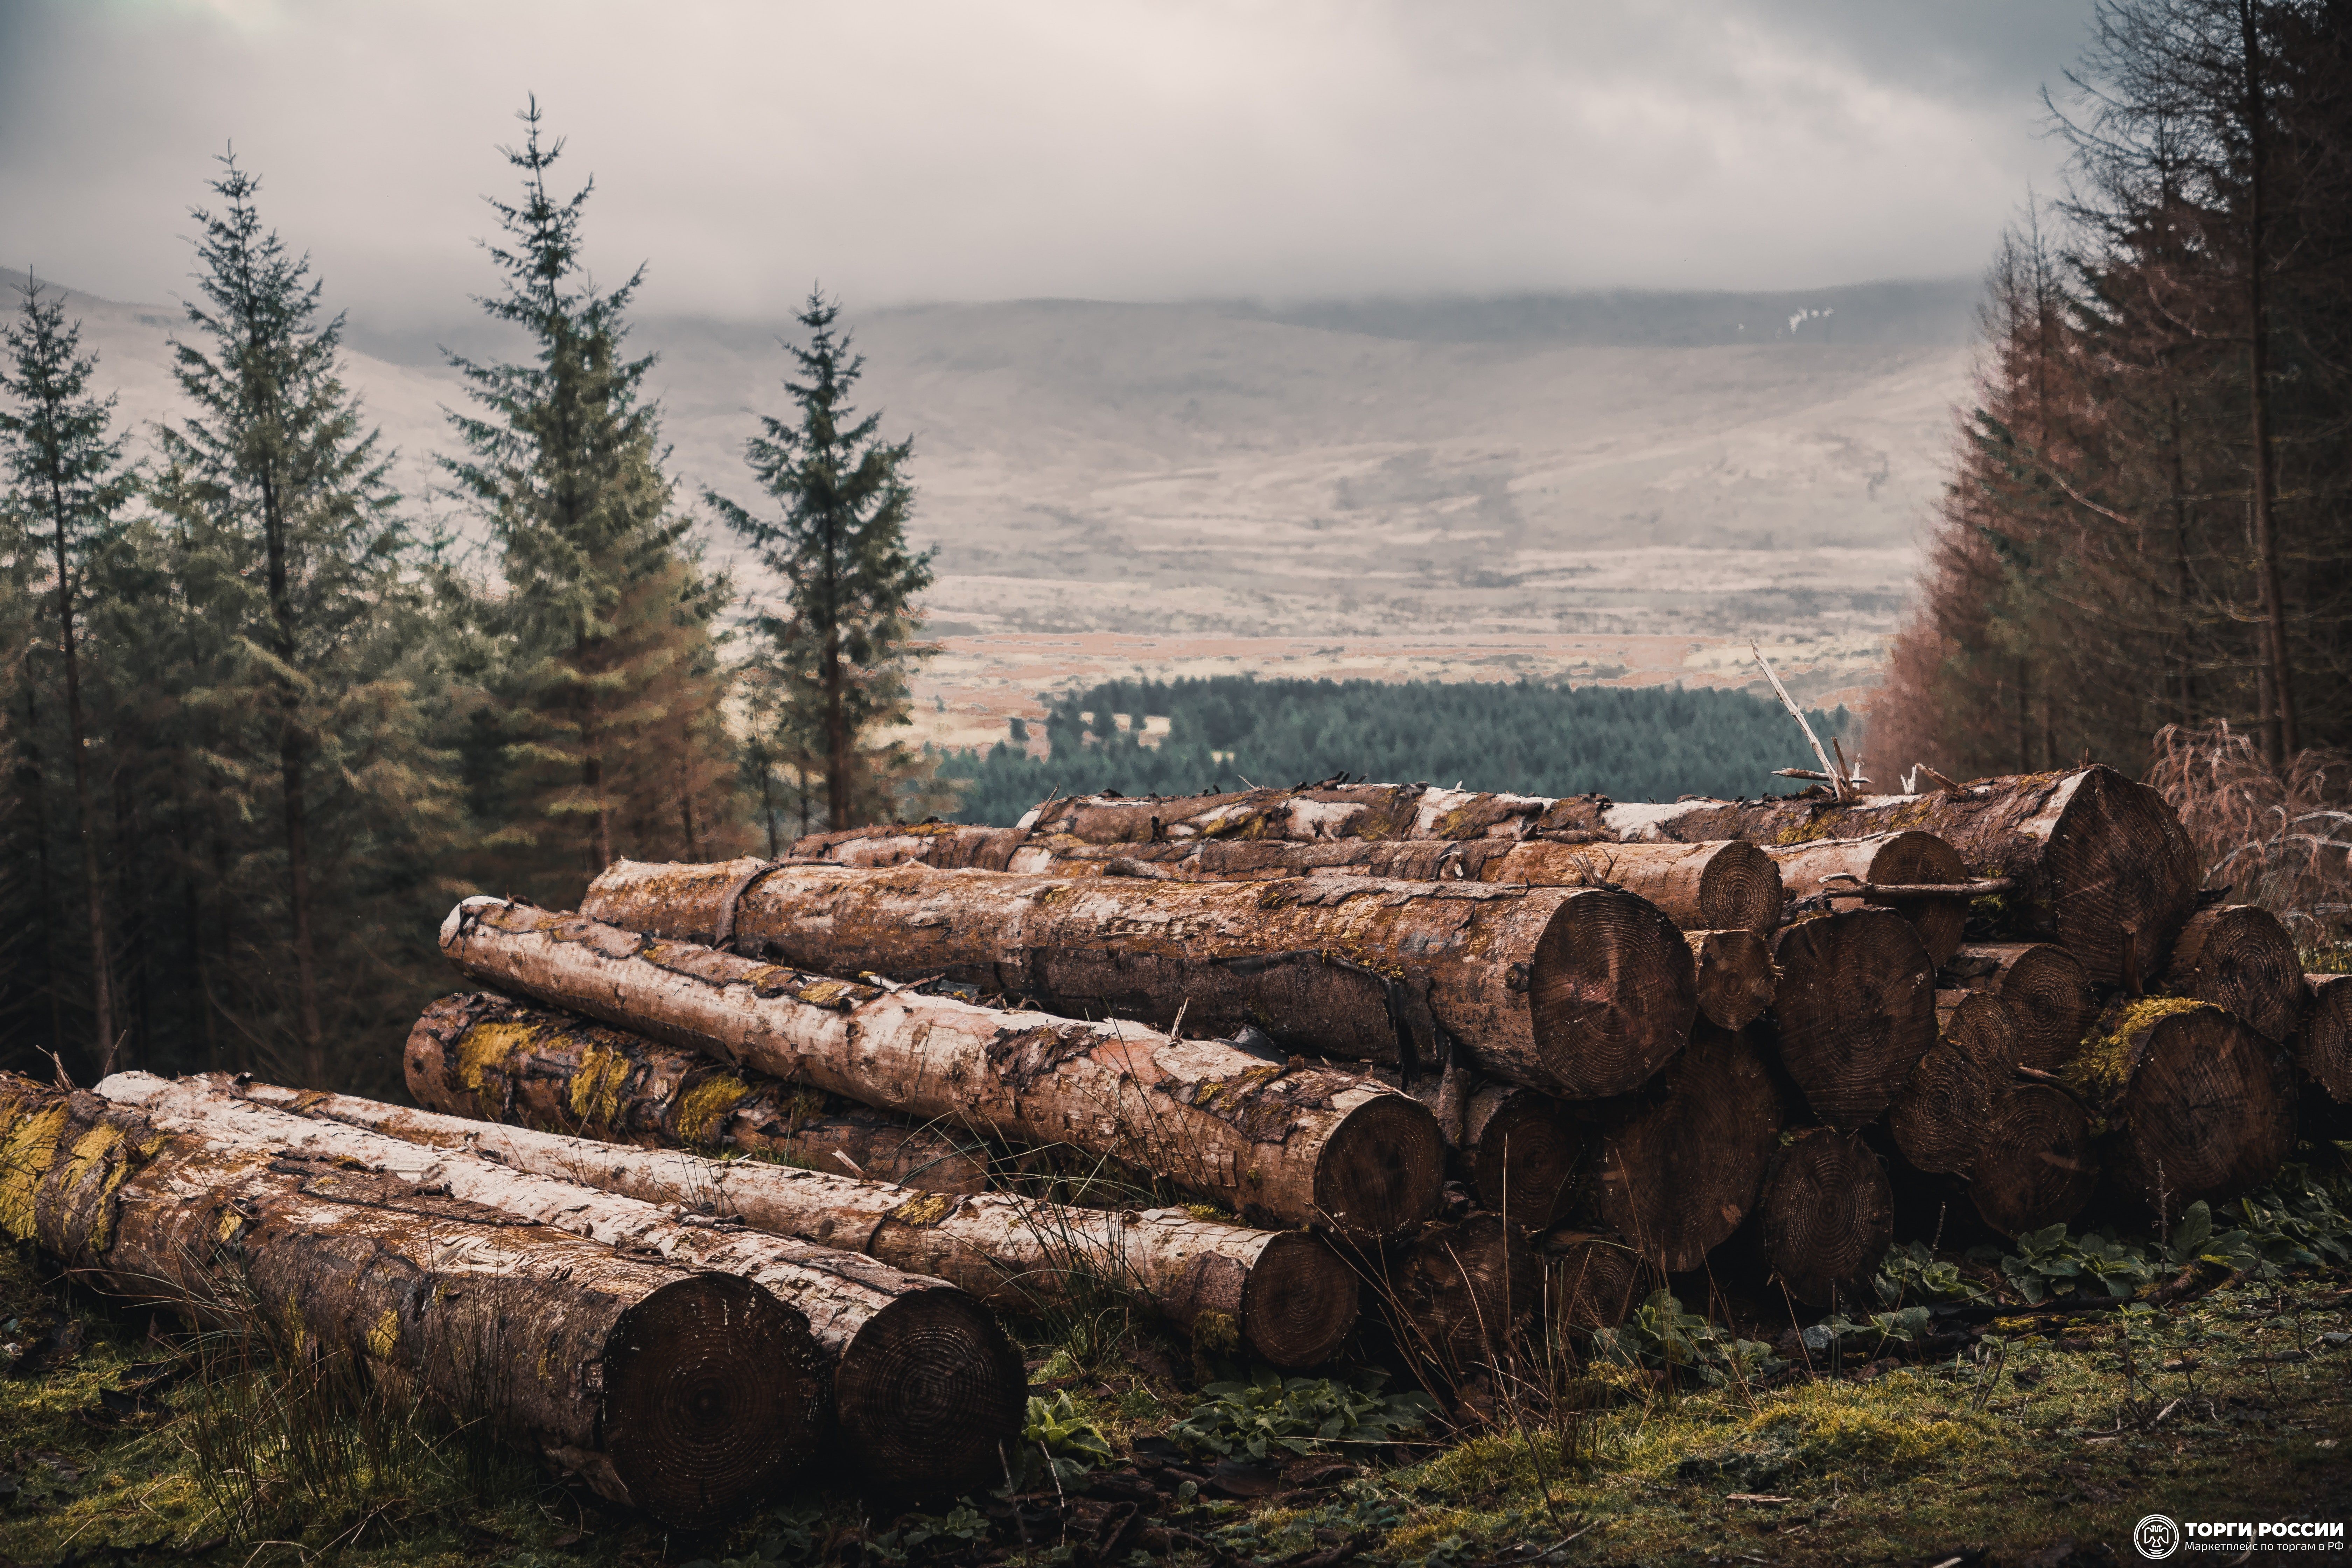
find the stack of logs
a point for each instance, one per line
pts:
(1470, 1058)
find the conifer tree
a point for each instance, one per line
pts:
(69, 478)
(604, 733)
(843, 650)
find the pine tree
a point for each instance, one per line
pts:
(603, 735)
(69, 474)
(844, 649)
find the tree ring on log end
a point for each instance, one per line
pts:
(1827, 1215)
(1612, 991)
(1679, 1164)
(1383, 1168)
(2119, 877)
(1300, 1300)
(2206, 1114)
(2051, 994)
(1855, 1009)
(1909, 860)
(1523, 1160)
(927, 1392)
(2323, 1047)
(1740, 889)
(2241, 960)
(2033, 1166)
(714, 1392)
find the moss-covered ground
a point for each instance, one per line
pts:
(119, 1442)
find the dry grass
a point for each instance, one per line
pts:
(2281, 839)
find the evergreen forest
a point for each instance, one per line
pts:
(1229, 731)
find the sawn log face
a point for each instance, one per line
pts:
(2238, 957)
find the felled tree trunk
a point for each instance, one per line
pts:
(1826, 1216)
(690, 1394)
(1591, 1280)
(2238, 957)
(2323, 1046)
(1287, 1293)
(1853, 1011)
(1825, 869)
(1460, 1293)
(2100, 863)
(2198, 1103)
(1676, 1168)
(513, 1062)
(1520, 1151)
(949, 846)
(1290, 1145)
(2036, 1162)
(1323, 811)
(1577, 992)
(2045, 988)
(925, 1386)
(1938, 1120)
(1735, 976)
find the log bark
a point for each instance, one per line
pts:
(925, 1386)
(500, 1060)
(1520, 1152)
(1460, 1295)
(1576, 992)
(1815, 872)
(949, 846)
(1735, 976)
(1288, 1296)
(1591, 1280)
(690, 1395)
(1853, 1012)
(2100, 863)
(2198, 1103)
(2323, 1046)
(2036, 1163)
(2238, 957)
(1284, 1143)
(1677, 1168)
(1938, 1121)
(1826, 1216)
(2044, 986)
(1323, 811)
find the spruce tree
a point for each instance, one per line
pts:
(70, 480)
(844, 649)
(603, 736)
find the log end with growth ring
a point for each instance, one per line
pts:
(1855, 1010)
(1826, 1216)
(2119, 877)
(2324, 1044)
(1938, 1120)
(1381, 1169)
(1591, 1280)
(1300, 1302)
(927, 1394)
(1910, 860)
(2045, 987)
(1523, 1153)
(2201, 1104)
(1460, 1293)
(2035, 1164)
(1613, 994)
(1735, 975)
(1680, 1164)
(1740, 889)
(2238, 957)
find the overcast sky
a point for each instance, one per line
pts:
(904, 150)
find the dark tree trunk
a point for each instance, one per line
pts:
(101, 979)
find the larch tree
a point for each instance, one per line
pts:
(603, 735)
(841, 652)
(71, 482)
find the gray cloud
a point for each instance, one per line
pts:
(1137, 149)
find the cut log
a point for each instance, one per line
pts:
(2044, 986)
(1575, 991)
(2197, 1102)
(1460, 1294)
(1826, 1216)
(926, 1387)
(1676, 1167)
(2323, 1046)
(1723, 886)
(2238, 957)
(1591, 1280)
(1938, 1121)
(1735, 976)
(509, 1061)
(1520, 1151)
(2035, 1164)
(2100, 863)
(1288, 1144)
(1853, 1011)
(1323, 811)
(1287, 1293)
(690, 1395)
(1826, 868)
(949, 846)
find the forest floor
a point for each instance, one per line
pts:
(123, 1442)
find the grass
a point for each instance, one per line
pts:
(141, 1446)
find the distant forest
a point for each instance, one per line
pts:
(1229, 730)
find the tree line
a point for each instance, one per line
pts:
(260, 725)
(1227, 732)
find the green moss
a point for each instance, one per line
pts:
(24, 1158)
(594, 1092)
(2102, 1069)
(702, 1110)
(487, 1047)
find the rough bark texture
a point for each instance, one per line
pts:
(1460, 1293)
(2200, 1105)
(484, 1055)
(690, 1395)
(1284, 1142)
(1853, 1012)
(1826, 1216)
(2044, 986)
(1520, 1152)
(1938, 1121)
(1735, 976)
(2323, 1048)
(1814, 872)
(1591, 1280)
(2036, 1164)
(2101, 862)
(1324, 811)
(1676, 1167)
(1578, 992)
(2238, 957)
(925, 1386)
(950, 846)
